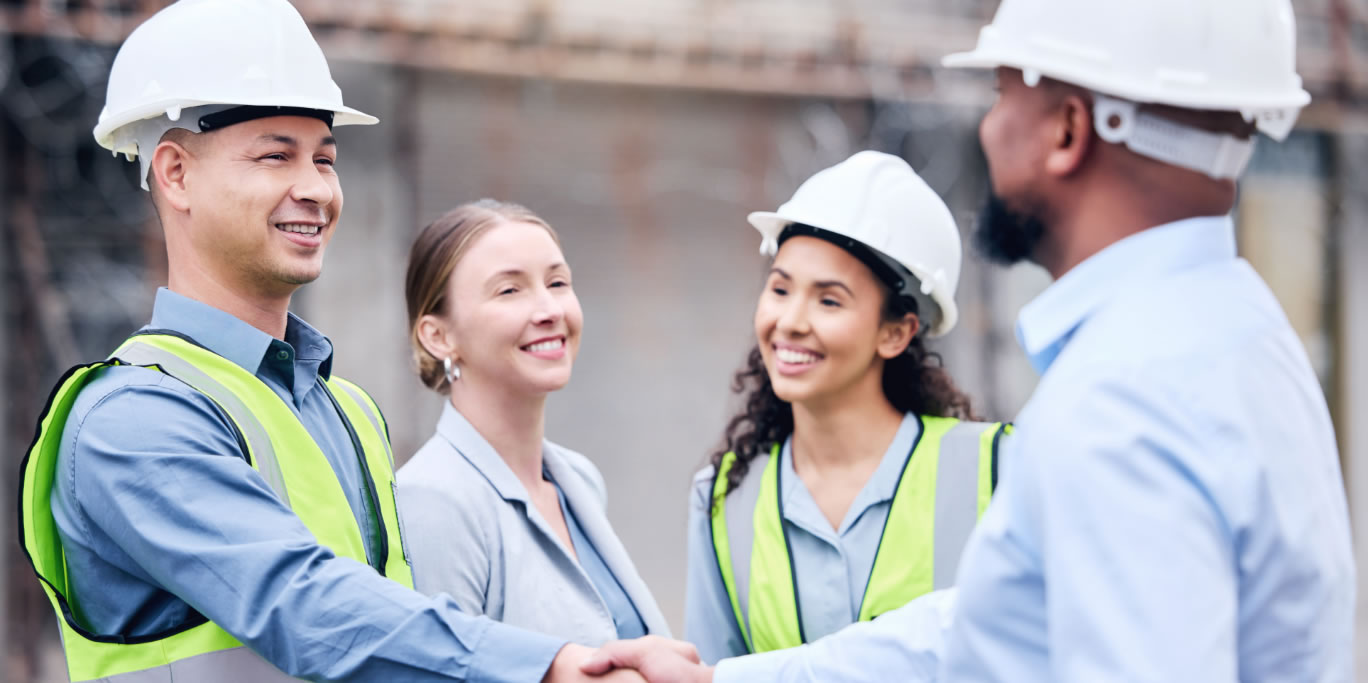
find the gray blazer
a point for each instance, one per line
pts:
(474, 535)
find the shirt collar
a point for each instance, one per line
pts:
(880, 488)
(230, 337)
(1046, 324)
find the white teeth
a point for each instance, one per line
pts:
(301, 228)
(795, 356)
(546, 345)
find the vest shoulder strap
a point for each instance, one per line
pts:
(733, 534)
(144, 350)
(963, 487)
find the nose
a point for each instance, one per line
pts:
(549, 309)
(793, 319)
(312, 185)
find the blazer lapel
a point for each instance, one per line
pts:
(588, 510)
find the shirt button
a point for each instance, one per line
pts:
(283, 354)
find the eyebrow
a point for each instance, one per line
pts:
(516, 272)
(820, 284)
(832, 284)
(510, 272)
(328, 141)
(275, 137)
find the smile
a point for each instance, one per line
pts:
(795, 356)
(301, 228)
(547, 345)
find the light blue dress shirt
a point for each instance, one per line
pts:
(1171, 507)
(832, 565)
(162, 518)
(625, 615)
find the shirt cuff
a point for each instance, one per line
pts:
(766, 666)
(508, 654)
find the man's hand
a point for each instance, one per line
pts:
(566, 668)
(658, 660)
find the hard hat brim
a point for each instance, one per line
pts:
(969, 60)
(105, 129)
(769, 224)
(1210, 99)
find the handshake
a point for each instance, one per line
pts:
(650, 658)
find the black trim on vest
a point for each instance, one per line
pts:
(997, 438)
(921, 430)
(717, 559)
(195, 618)
(788, 547)
(383, 559)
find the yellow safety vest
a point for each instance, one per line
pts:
(276, 444)
(946, 484)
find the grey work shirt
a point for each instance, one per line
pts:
(474, 535)
(832, 565)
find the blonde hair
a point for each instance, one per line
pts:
(433, 257)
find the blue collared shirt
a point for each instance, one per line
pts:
(1171, 506)
(161, 517)
(832, 565)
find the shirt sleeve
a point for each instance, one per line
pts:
(902, 645)
(709, 622)
(154, 468)
(1123, 489)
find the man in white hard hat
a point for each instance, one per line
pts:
(1171, 507)
(212, 504)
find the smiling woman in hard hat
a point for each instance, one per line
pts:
(507, 523)
(849, 483)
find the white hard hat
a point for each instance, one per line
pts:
(216, 52)
(876, 201)
(1220, 55)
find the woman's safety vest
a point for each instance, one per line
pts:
(277, 446)
(946, 483)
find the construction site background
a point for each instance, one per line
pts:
(644, 132)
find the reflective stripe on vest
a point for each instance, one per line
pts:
(946, 484)
(275, 443)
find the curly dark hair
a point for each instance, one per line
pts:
(915, 381)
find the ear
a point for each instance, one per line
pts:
(894, 336)
(1072, 136)
(170, 168)
(434, 333)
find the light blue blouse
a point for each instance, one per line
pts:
(625, 616)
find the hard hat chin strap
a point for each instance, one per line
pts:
(1220, 156)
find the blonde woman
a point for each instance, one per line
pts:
(509, 524)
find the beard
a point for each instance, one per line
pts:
(1005, 236)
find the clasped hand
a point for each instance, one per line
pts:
(652, 659)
